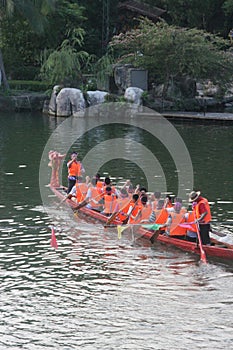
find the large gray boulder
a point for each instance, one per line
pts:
(134, 96)
(52, 108)
(96, 97)
(70, 101)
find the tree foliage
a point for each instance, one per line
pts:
(171, 52)
(31, 30)
(66, 64)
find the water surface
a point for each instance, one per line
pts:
(95, 291)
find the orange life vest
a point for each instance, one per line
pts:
(175, 229)
(161, 216)
(95, 196)
(112, 188)
(143, 214)
(100, 186)
(169, 205)
(123, 205)
(207, 218)
(190, 220)
(136, 208)
(110, 202)
(75, 169)
(81, 191)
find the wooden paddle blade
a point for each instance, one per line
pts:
(111, 218)
(154, 236)
(203, 255)
(81, 205)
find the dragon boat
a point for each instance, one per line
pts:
(219, 248)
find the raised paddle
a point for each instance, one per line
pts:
(203, 255)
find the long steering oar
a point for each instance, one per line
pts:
(203, 254)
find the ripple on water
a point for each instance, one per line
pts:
(98, 292)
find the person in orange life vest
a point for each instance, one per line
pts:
(134, 208)
(110, 201)
(107, 182)
(93, 197)
(79, 190)
(202, 214)
(75, 169)
(128, 208)
(161, 213)
(99, 183)
(145, 213)
(175, 217)
(123, 204)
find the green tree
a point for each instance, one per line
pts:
(170, 52)
(34, 12)
(26, 51)
(65, 64)
(212, 16)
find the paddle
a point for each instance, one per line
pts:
(154, 227)
(63, 200)
(114, 215)
(86, 201)
(81, 205)
(203, 255)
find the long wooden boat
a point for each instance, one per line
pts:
(218, 250)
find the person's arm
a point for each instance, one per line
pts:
(130, 209)
(88, 195)
(167, 225)
(117, 193)
(82, 169)
(70, 162)
(202, 211)
(73, 191)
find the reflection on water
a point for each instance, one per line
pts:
(95, 291)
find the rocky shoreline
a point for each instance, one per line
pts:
(200, 107)
(25, 101)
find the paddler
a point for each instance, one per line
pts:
(202, 215)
